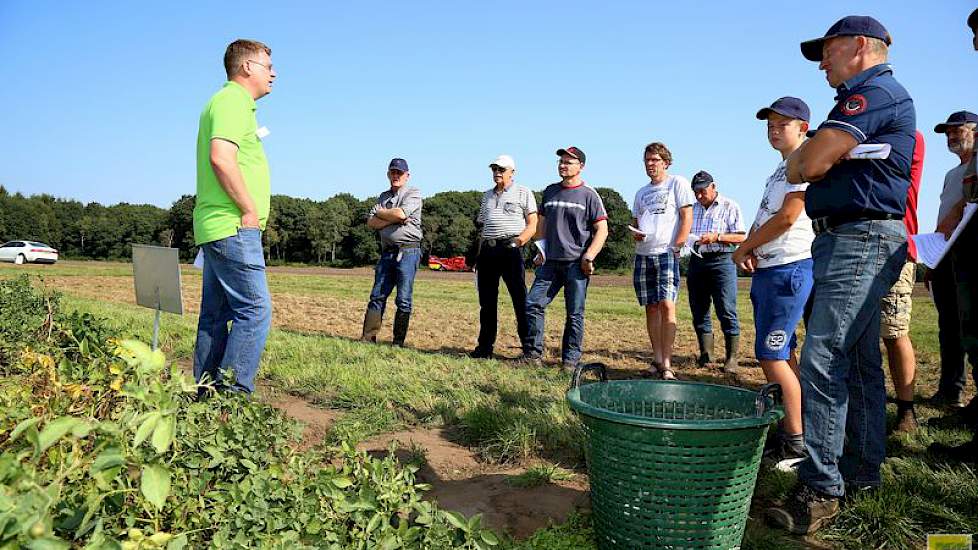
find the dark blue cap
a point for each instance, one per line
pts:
(701, 180)
(956, 119)
(788, 106)
(398, 164)
(851, 25)
(973, 20)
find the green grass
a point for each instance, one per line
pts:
(511, 414)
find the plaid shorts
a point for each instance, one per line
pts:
(656, 278)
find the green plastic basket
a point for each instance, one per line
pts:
(672, 464)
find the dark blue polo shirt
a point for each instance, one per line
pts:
(873, 108)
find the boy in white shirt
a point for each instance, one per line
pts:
(778, 252)
(663, 212)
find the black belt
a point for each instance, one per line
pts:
(502, 241)
(396, 247)
(820, 225)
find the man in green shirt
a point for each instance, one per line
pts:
(233, 197)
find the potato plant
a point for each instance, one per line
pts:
(103, 446)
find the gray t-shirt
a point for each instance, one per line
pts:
(504, 214)
(570, 214)
(953, 190)
(407, 199)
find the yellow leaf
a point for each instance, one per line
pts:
(116, 384)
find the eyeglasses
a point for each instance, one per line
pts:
(267, 67)
(499, 169)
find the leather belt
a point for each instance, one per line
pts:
(823, 224)
(502, 241)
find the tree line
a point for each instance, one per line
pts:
(330, 232)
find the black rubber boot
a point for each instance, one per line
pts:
(371, 325)
(401, 321)
(705, 340)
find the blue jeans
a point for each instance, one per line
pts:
(392, 272)
(549, 279)
(713, 279)
(234, 290)
(843, 391)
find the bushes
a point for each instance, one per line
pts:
(103, 446)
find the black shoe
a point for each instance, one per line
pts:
(780, 454)
(479, 353)
(804, 511)
(966, 452)
(945, 400)
(961, 418)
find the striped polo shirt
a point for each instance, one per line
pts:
(723, 216)
(503, 214)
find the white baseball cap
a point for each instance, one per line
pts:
(504, 161)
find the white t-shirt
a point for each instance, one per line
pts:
(795, 243)
(953, 190)
(656, 208)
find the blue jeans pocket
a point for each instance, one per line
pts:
(246, 247)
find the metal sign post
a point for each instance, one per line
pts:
(156, 272)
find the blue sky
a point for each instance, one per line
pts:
(101, 99)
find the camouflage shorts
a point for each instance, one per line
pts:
(896, 306)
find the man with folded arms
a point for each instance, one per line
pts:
(507, 219)
(397, 217)
(857, 207)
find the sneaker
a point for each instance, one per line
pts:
(906, 422)
(479, 353)
(780, 454)
(804, 511)
(966, 452)
(529, 360)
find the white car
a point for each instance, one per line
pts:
(22, 252)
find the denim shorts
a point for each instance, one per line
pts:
(778, 294)
(656, 278)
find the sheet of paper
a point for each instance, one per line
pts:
(932, 247)
(636, 230)
(542, 247)
(262, 132)
(690, 247)
(199, 260)
(870, 151)
(646, 223)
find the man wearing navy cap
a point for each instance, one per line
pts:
(712, 277)
(571, 231)
(397, 217)
(960, 131)
(964, 263)
(857, 207)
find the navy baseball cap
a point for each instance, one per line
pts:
(788, 106)
(574, 152)
(852, 25)
(398, 164)
(973, 20)
(956, 119)
(701, 180)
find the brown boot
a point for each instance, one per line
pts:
(906, 418)
(402, 319)
(371, 325)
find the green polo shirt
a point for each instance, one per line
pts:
(229, 115)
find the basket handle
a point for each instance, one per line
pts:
(767, 392)
(581, 369)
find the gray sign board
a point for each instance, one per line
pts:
(156, 270)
